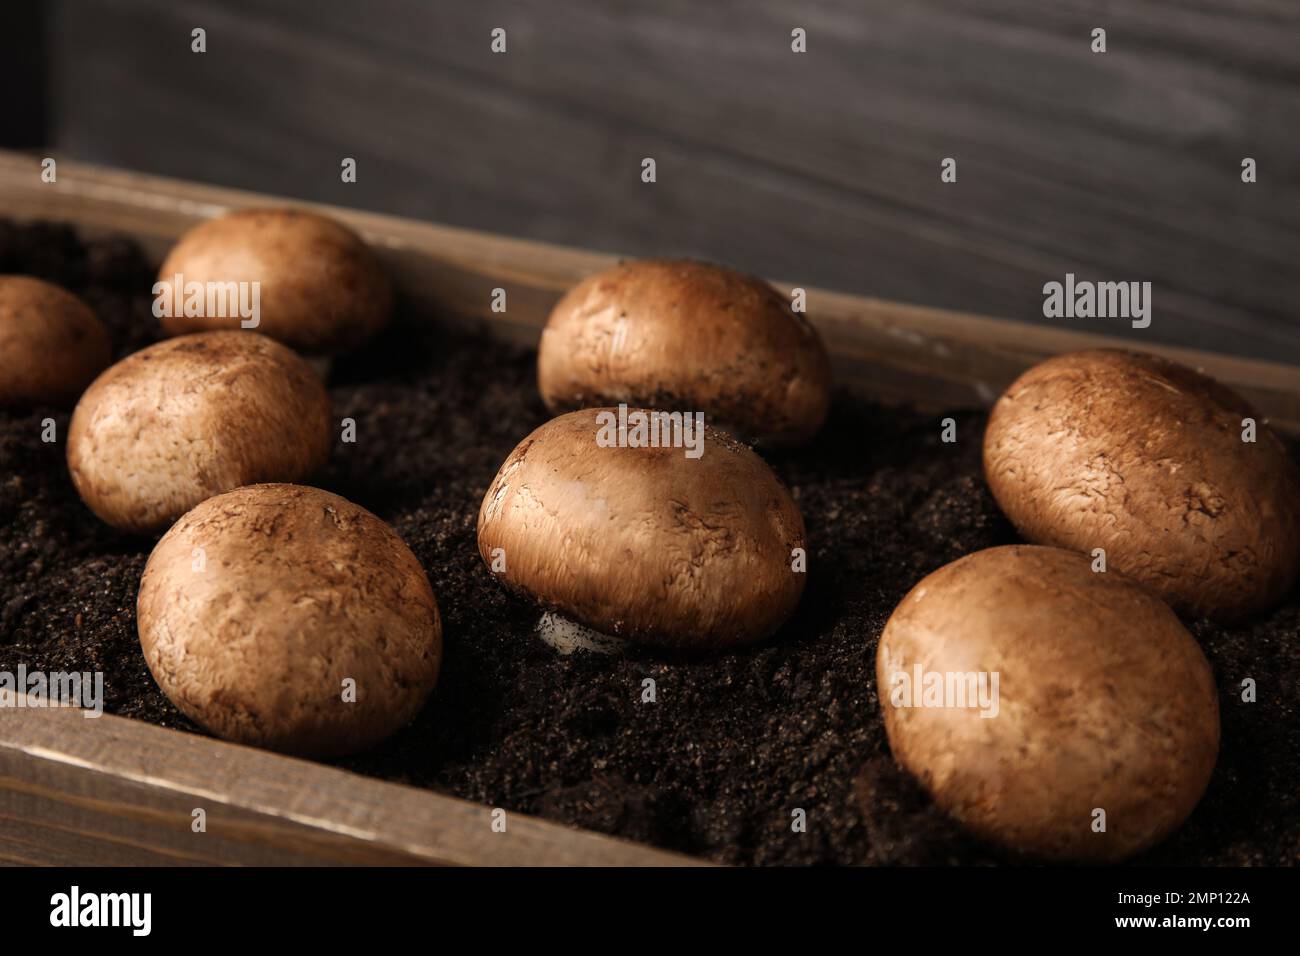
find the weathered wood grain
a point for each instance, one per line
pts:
(109, 791)
(822, 168)
(931, 358)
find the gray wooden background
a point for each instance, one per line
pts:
(820, 168)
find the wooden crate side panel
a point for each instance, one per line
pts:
(116, 791)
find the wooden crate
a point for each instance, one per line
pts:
(115, 791)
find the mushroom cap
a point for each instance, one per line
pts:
(1143, 457)
(1103, 701)
(191, 417)
(645, 543)
(321, 289)
(51, 344)
(257, 605)
(687, 336)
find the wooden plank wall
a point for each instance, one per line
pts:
(820, 168)
(23, 106)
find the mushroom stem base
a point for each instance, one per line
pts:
(567, 636)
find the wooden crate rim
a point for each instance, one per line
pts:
(897, 352)
(410, 824)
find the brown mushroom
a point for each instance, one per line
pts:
(320, 289)
(1057, 712)
(1145, 459)
(683, 335)
(51, 344)
(192, 417)
(645, 543)
(290, 618)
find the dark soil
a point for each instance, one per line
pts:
(736, 741)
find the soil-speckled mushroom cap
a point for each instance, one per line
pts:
(321, 289)
(51, 344)
(258, 608)
(1144, 458)
(687, 336)
(645, 543)
(191, 417)
(1103, 702)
